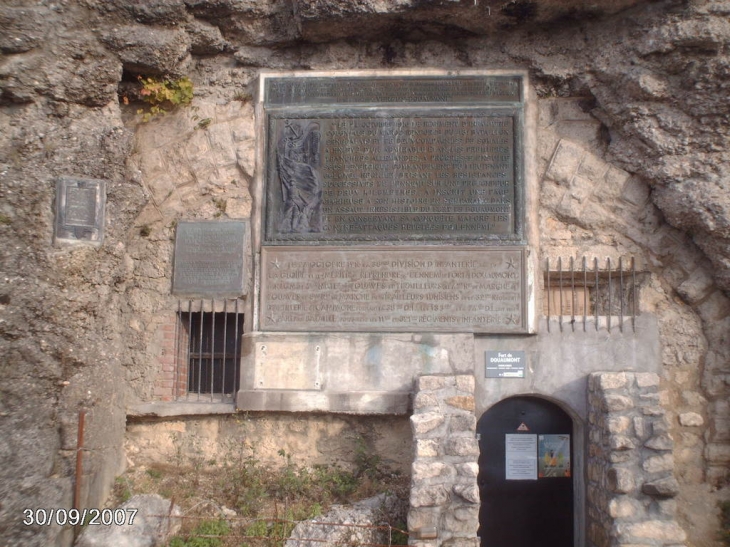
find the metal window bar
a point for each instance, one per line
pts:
(560, 284)
(572, 294)
(610, 310)
(208, 351)
(212, 349)
(611, 291)
(547, 270)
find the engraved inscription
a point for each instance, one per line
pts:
(80, 206)
(405, 289)
(424, 89)
(436, 176)
(209, 258)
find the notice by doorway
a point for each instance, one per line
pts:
(525, 474)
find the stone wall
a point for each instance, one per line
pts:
(444, 491)
(638, 84)
(309, 439)
(631, 483)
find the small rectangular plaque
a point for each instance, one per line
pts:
(505, 364)
(403, 289)
(210, 258)
(80, 210)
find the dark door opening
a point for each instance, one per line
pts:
(525, 475)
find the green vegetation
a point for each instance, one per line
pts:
(206, 534)
(221, 205)
(725, 522)
(268, 500)
(163, 95)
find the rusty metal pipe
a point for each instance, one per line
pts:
(79, 463)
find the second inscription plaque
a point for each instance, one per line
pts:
(391, 290)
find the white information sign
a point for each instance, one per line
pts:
(520, 457)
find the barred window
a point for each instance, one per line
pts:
(602, 292)
(209, 352)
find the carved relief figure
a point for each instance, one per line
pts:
(297, 156)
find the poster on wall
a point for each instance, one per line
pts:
(553, 456)
(520, 457)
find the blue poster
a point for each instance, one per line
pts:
(553, 459)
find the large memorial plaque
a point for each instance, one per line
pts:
(80, 210)
(394, 159)
(393, 289)
(210, 258)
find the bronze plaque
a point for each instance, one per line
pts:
(387, 289)
(393, 89)
(210, 258)
(80, 207)
(444, 163)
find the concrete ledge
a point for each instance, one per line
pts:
(163, 410)
(362, 402)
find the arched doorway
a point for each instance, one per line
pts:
(525, 474)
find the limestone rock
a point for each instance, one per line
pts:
(428, 495)
(620, 480)
(616, 402)
(423, 423)
(426, 448)
(421, 470)
(322, 20)
(462, 446)
(660, 442)
(461, 402)
(667, 531)
(157, 12)
(662, 488)
(23, 28)
(147, 50)
(148, 528)
(206, 39)
(659, 464)
(691, 419)
(363, 514)
(469, 492)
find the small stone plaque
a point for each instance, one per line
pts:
(210, 259)
(403, 289)
(505, 364)
(394, 159)
(80, 210)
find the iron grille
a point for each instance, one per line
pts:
(607, 292)
(209, 350)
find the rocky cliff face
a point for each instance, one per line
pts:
(649, 82)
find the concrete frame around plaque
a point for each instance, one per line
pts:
(210, 258)
(312, 168)
(80, 211)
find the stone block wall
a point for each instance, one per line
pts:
(444, 492)
(631, 479)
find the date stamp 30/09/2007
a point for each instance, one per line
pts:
(74, 517)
